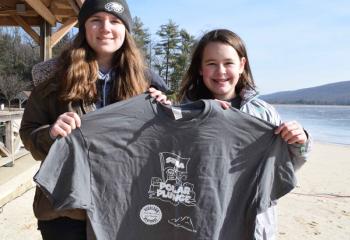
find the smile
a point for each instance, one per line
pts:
(221, 80)
(105, 39)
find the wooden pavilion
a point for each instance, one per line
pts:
(44, 15)
(46, 22)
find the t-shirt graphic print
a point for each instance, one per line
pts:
(143, 170)
(172, 186)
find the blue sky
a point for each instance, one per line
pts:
(291, 44)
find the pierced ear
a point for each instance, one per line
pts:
(243, 61)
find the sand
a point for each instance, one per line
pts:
(318, 208)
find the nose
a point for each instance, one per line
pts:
(221, 69)
(106, 26)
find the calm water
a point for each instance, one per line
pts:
(329, 124)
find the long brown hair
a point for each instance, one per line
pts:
(192, 86)
(79, 69)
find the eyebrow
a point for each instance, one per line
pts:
(213, 60)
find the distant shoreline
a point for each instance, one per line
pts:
(331, 144)
(325, 123)
(302, 104)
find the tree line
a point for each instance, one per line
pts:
(167, 53)
(170, 54)
(19, 53)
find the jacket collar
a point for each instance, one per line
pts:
(248, 95)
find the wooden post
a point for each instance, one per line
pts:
(9, 141)
(45, 41)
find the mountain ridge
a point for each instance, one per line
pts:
(328, 94)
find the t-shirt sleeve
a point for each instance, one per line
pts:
(277, 174)
(65, 174)
(156, 81)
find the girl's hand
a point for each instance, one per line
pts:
(292, 132)
(159, 96)
(224, 104)
(64, 124)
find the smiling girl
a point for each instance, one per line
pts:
(102, 66)
(220, 70)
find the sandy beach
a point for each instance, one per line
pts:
(318, 208)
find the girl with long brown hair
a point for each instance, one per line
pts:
(101, 66)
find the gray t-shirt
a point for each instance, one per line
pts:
(147, 171)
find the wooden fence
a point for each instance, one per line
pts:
(10, 142)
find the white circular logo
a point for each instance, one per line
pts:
(151, 214)
(114, 7)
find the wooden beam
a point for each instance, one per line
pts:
(74, 6)
(7, 21)
(29, 13)
(63, 30)
(63, 4)
(79, 2)
(26, 27)
(63, 12)
(47, 3)
(42, 10)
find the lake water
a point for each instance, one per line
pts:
(328, 124)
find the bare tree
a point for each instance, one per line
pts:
(10, 86)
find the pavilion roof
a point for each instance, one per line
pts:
(32, 12)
